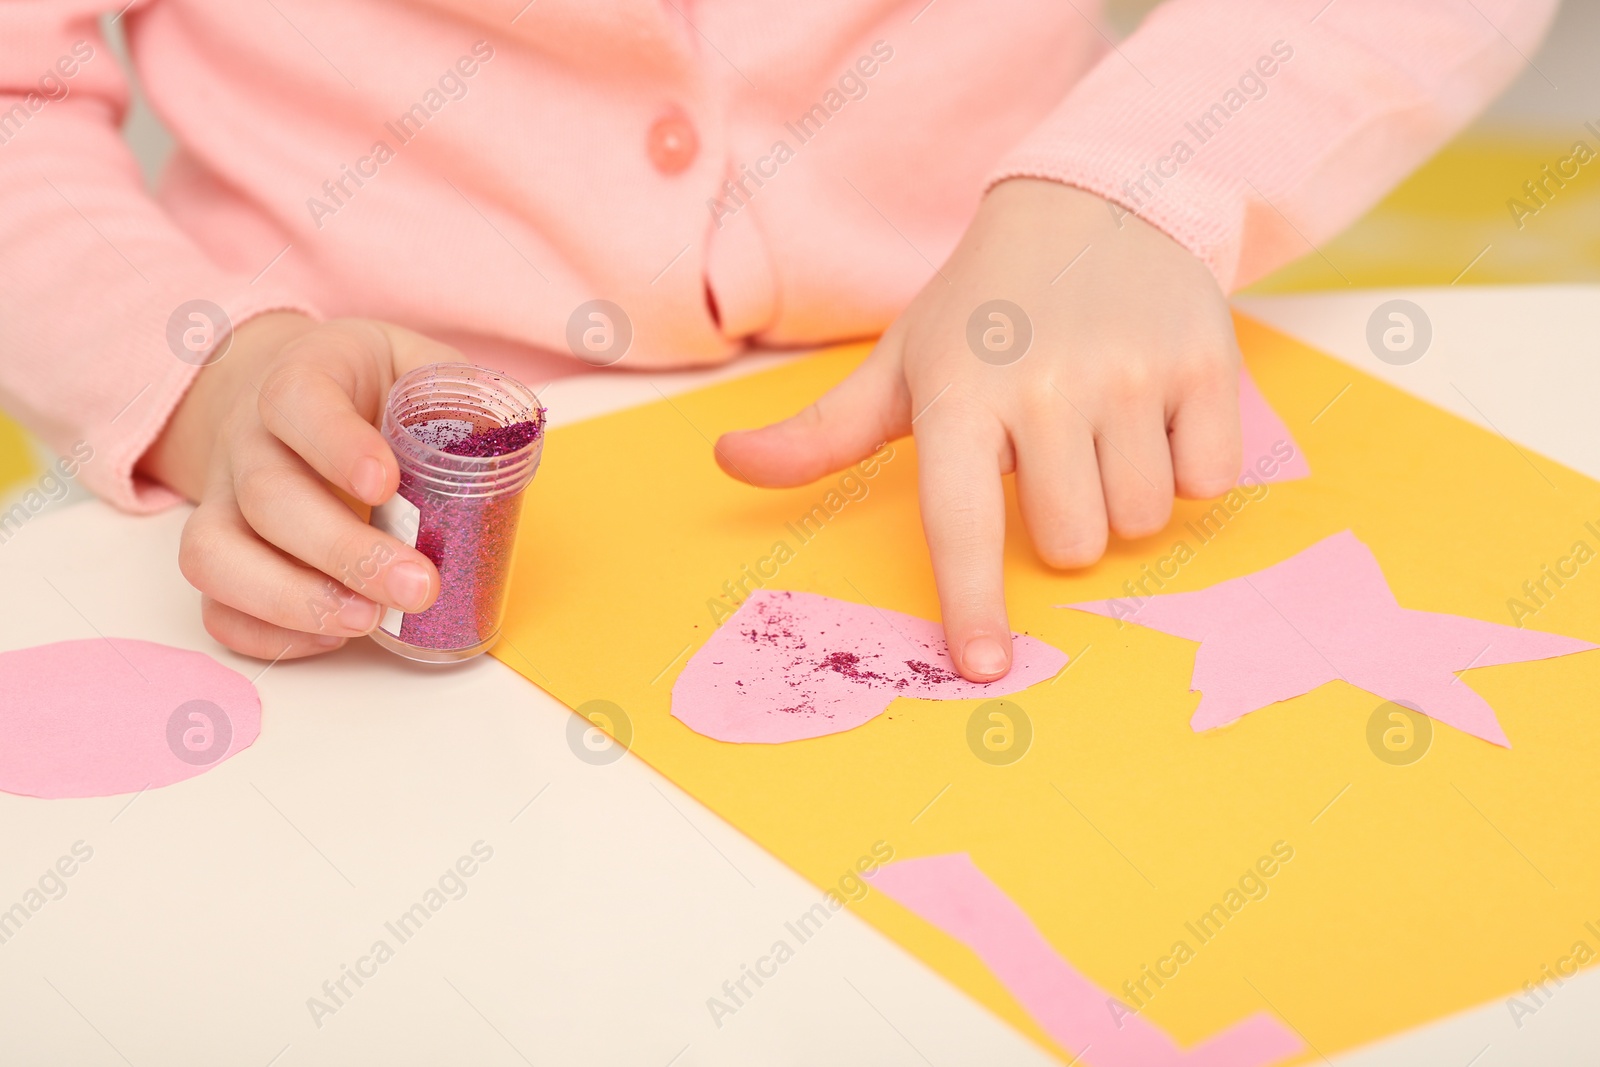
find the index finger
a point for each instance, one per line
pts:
(964, 519)
(324, 402)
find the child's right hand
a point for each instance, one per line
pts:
(272, 441)
(1127, 395)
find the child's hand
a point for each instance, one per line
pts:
(1128, 389)
(267, 441)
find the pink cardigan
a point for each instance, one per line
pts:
(728, 172)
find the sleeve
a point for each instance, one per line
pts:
(1251, 131)
(98, 334)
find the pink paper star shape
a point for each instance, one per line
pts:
(1327, 613)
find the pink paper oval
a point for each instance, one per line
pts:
(106, 716)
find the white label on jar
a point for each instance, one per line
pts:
(399, 518)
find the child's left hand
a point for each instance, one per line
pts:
(1127, 393)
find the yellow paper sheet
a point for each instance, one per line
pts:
(1415, 891)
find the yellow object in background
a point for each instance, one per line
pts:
(17, 464)
(1452, 222)
(1415, 890)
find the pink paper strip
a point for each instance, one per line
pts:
(1325, 614)
(1270, 451)
(107, 716)
(788, 666)
(951, 893)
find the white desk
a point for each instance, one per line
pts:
(614, 904)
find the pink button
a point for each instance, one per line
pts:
(672, 143)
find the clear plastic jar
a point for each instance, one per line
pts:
(459, 500)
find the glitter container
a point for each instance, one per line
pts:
(468, 441)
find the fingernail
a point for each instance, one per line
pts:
(366, 477)
(407, 584)
(359, 614)
(327, 641)
(985, 656)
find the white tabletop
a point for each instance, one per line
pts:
(614, 905)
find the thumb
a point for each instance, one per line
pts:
(848, 423)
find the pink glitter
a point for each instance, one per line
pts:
(500, 441)
(847, 664)
(468, 538)
(928, 672)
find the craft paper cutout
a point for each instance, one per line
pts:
(1270, 451)
(609, 602)
(951, 893)
(1324, 614)
(105, 716)
(788, 666)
